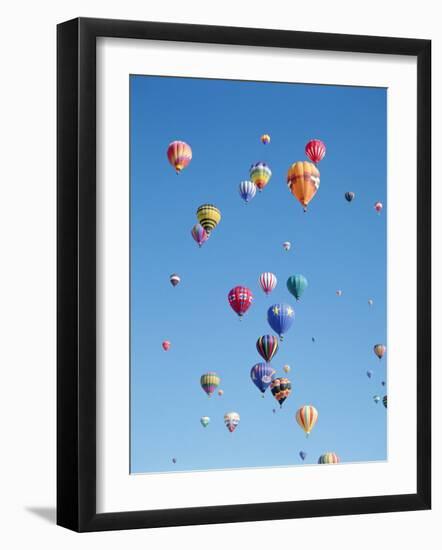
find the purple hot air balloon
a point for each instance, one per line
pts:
(199, 234)
(261, 375)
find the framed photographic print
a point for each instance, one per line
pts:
(243, 274)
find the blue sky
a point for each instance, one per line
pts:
(336, 245)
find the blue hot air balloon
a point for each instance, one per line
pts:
(247, 190)
(369, 373)
(280, 317)
(296, 284)
(302, 454)
(261, 375)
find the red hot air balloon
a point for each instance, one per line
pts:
(240, 299)
(166, 345)
(315, 150)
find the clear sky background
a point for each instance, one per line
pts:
(336, 245)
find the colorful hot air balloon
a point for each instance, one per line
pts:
(220, 393)
(231, 420)
(179, 154)
(267, 347)
(209, 382)
(378, 207)
(315, 150)
(261, 375)
(265, 139)
(260, 174)
(302, 454)
(380, 350)
(208, 216)
(339, 293)
(240, 299)
(296, 284)
(205, 420)
(306, 417)
(303, 181)
(247, 190)
(349, 196)
(166, 345)
(384, 401)
(376, 398)
(329, 458)
(370, 302)
(280, 317)
(286, 368)
(174, 279)
(281, 388)
(369, 373)
(199, 234)
(286, 245)
(268, 281)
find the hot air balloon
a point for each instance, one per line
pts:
(166, 345)
(247, 190)
(267, 347)
(339, 293)
(380, 350)
(369, 373)
(329, 458)
(281, 388)
(313, 339)
(302, 454)
(174, 460)
(261, 375)
(280, 317)
(174, 279)
(220, 392)
(260, 174)
(231, 420)
(306, 417)
(349, 196)
(208, 216)
(286, 368)
(378, 207)
(205, 420)
(376, 398)
(274, 411)
(268, 281)
(240, 299)
(265, 139)
(286, 245)
(315, 150)
(384, 401)
(383, 382)
(199, 234)
(296, 284)
(209, 382)
(303, 181)
(370, 302)
(179, 154)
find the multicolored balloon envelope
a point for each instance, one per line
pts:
(231, 420)
(303, 181)
(260, 174)
(306, 417)
(267, 346)
(179, 154)
(261, 375)
(208, 216)
(286, 245)
(296, 285)
(280, 317)
(315, 150)
(380, 350)
(209, 382)
(329, 458)
(281, 388)
(199, 234)
(240, 299)
(205, 420)
(265, 139)
(247, 190)
(267, 281)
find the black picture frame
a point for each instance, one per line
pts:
(77, 287)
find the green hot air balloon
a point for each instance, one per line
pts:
(296, 285)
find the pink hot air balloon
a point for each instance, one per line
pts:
(315, 150)
(199, 234)
(166, 345)
(179, 154)
(378, 207)
(268, 281)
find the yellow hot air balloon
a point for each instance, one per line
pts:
(208, 216)
(306, 417)
(303, 180)
(286, 368)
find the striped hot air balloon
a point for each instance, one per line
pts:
(379, 350)
(247, 190)
(306, 417)
(267, 346)
(179, 154)
(281, 388)
(315, 150)
(208, 216)
(303, 181)
(329, 458)
(260, 174)
(199, 234)
(267, 281)
(209, 382)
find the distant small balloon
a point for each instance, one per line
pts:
(286, 245)
(302, 454)
(174, 460)
(376, 398)
(265, 139)
(378, 207)
(339, 293)
(384, 401)
(369, 373)
(313, 339)
(383, 382)
(166, 345)
(329, 458)
(175, 279)
(286, 368)
(220, 392)
(349, 196)
(231, 420)
(205, 420)
(379, 350)
(370, 302)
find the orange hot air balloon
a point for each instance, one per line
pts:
(303, 180)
